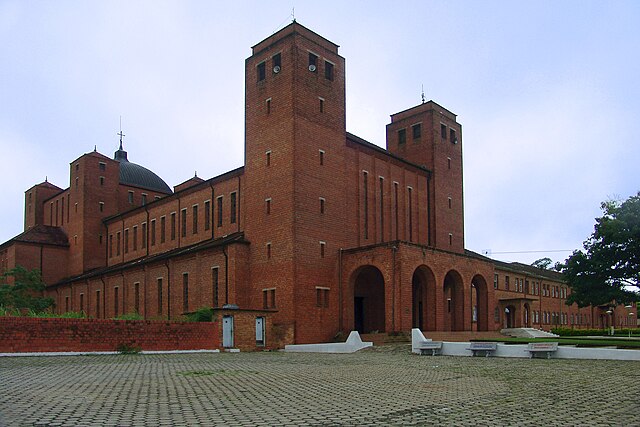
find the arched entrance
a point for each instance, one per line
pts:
(453, 302)
(368, 300)
(510, 316)
(423, 299)
(527, 316)
(480, 303)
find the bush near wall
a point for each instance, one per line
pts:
(25, 334)
(567, 332)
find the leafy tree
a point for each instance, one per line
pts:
(609, 267)
(26, 291)
(543, 263)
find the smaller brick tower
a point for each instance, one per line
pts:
(430, 136)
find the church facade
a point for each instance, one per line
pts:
(320, 228)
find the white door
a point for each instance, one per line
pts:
(227, 331)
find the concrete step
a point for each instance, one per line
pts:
(527, 333)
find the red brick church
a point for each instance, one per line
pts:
(321, 229)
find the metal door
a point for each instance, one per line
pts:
(227, 331)
(259, 330)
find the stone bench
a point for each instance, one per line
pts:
(482, 347)
(542, 347)
(429, 346)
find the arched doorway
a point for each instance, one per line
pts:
(527, 316)
(453, 302)
(510, 317)
(480, 303)
(368, 300)
(423, 299)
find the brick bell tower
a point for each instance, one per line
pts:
(430, 136)
(294, 166)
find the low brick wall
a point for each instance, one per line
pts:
(25, 334)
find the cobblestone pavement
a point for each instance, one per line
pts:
(383, 386)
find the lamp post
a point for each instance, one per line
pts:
(611, 330)
(630, 319)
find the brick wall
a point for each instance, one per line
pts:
(20, 334)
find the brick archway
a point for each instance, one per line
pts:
(480, 302)
(453, 294)
(368, 300)
(423, 299)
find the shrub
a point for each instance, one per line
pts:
(128, 348)
(129, 316)
(203, 314)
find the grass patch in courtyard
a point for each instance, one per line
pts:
(576, 341)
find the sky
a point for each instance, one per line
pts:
(547, 93)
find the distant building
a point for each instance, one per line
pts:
(328, 231)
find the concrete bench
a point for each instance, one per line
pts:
(429, 346)
(482, 347)
(542, 347)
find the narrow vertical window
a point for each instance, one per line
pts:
(382, 209)
(195, 219)
(261, 69)
(219, 199)
(313, 62)
(115, 301)
(183, 220)
(185, 292)
(416, 131)
(135, 237)
(450, 239)
(153, 232)
(143, 236)
(268, 157)
(395, 209)
(443, 131)
(321, 205)
(268, 105)
(159, 290)
(126, 241)
(322, 249)
(410, 208)
(207, 215)
(173, 226)
(102, 180)
(144, 199)
(81, 303)
(495, 281)
(265, 299)
(402, 136)
(214, 283)
(448, 162)
(163, 227)
(136, 297)
(110, 245)
(233, 208)
(67, 306)
(130, 197)
(449, 202)
(62, 212)
(267, 203)
(321, 155)
(57, 207)
(97, 304)
(269, 250)
(276, 61)
(452, 136)
(328, 70)
(321, 105)
(101, 206)
(365, 184)
(118, 243)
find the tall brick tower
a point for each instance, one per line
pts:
(295, 142)
(430, 136)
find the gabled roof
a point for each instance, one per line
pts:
(364, 143)
(530, 270)
(42, 235)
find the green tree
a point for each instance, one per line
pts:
(26, 291)
(608, 269)
(543, 263)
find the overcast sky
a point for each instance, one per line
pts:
(547, 93)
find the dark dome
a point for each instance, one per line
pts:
(139, 176)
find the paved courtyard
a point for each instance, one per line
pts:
(383, 386)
